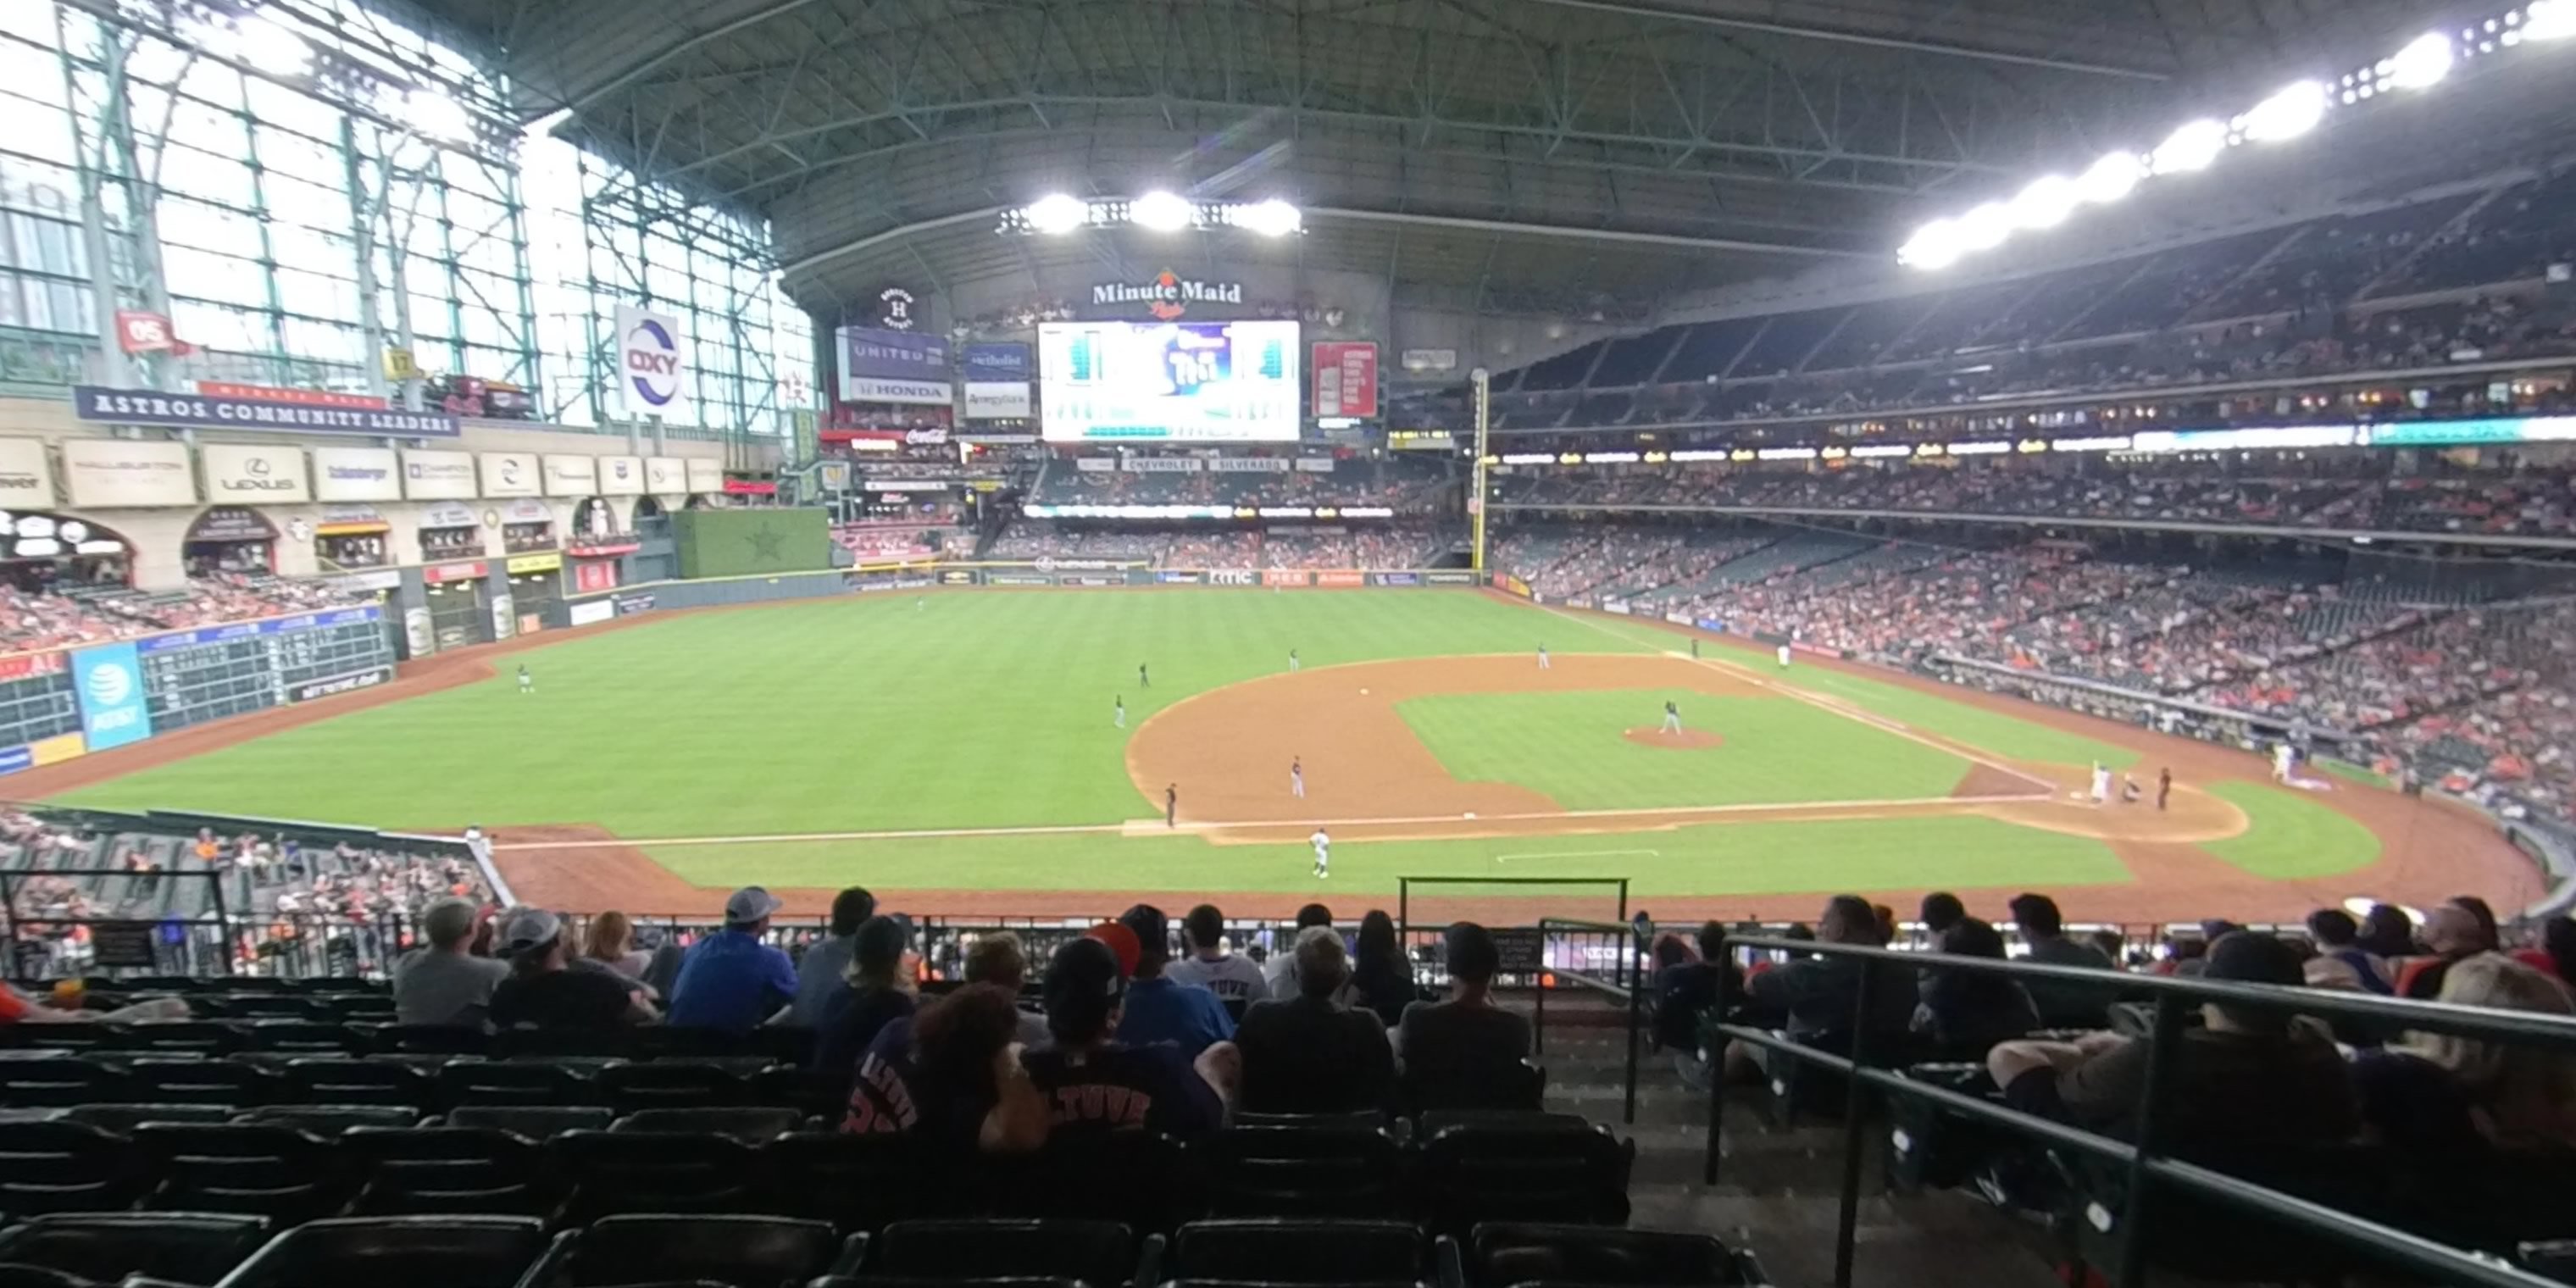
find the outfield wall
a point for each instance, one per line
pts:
(719, 592)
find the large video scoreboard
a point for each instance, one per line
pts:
(62, 703)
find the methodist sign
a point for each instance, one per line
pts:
(206, 411)
(652, 364)
(880, 366)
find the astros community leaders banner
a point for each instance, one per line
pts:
(202, 411)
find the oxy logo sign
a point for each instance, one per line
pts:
(110, 680)
(652, 364)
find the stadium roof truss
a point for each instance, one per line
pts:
(1574, 150)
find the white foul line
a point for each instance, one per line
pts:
(1145, 826)
(1576, 854)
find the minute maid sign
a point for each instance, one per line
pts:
(1169, 295)
(110, 682)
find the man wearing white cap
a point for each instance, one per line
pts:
(732, 979)
(542, 994)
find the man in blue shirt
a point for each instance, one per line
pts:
(731, 980)
(1160, 1009)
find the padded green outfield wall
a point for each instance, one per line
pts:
(739, 543)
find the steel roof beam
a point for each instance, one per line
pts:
(1835, 35)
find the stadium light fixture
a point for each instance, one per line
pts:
(2421, 64)
(434, 114)
(1056, 214)
(2191, 147)
(1934, 246)
(1986, 226)
(2111, 178)
(2045, 203)
(1270, 218)
(2287, 114)
(1160, 211)
(2549, 20)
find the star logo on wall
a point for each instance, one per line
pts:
(765, 544)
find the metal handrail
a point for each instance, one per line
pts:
(1632, 959)
(2142, 1160)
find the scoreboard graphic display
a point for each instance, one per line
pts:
(59, 704)
(1206, 382)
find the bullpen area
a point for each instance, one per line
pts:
(1014, 752)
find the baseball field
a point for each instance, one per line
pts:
(963, 753)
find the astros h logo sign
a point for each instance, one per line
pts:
(653, 362)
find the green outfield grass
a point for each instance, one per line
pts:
(1569, 747)
(1730, 858)
(992, 710)
(2292, 834)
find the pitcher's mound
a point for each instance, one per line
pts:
(1654, 736)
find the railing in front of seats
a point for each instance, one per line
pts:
(1626, 983)
(2145, 1162)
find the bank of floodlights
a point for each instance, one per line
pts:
(263, 38)
(2288, 113)
(1056, 215)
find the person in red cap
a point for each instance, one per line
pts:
(1122, 942)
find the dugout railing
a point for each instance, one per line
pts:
(2147, 1169)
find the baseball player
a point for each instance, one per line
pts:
(2101, 784)
(527, 682)
(1784, 657)
(2284, 759)
(1141, 681)
(1171, 804)
(1323, 853)
(1672, 717)
(1542, 657)
(1292, 661)
(1118, 711)
(2164, 787)
(1297, 777)
(1694, 648)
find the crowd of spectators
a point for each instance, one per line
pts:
(1395, 545)
(78, 616)
(2312, 490)
(1126, 1025)
(1403, 484)
(2477, 697)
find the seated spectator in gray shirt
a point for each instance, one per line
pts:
(443, 983)
(2061, 1006)
(819, 971)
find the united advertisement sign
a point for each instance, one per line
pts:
(881, 366)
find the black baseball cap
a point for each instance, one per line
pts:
(1082, 982)
(2252, 957)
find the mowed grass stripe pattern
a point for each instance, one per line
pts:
(973, 709)
(1569, 746)
(1750, 858)
(2291, 835)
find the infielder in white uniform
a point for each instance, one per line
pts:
(1292, 661)
(2284, 759)
(1542, 657)
(1323, 854)
(1784, 657)
(1297, 778)
(527, 682)
(1118, 711)
(2101, 784)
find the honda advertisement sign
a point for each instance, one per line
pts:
(881, 366)
(653, 374)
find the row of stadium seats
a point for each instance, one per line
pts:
(206, 1250)
(1460, 1169)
